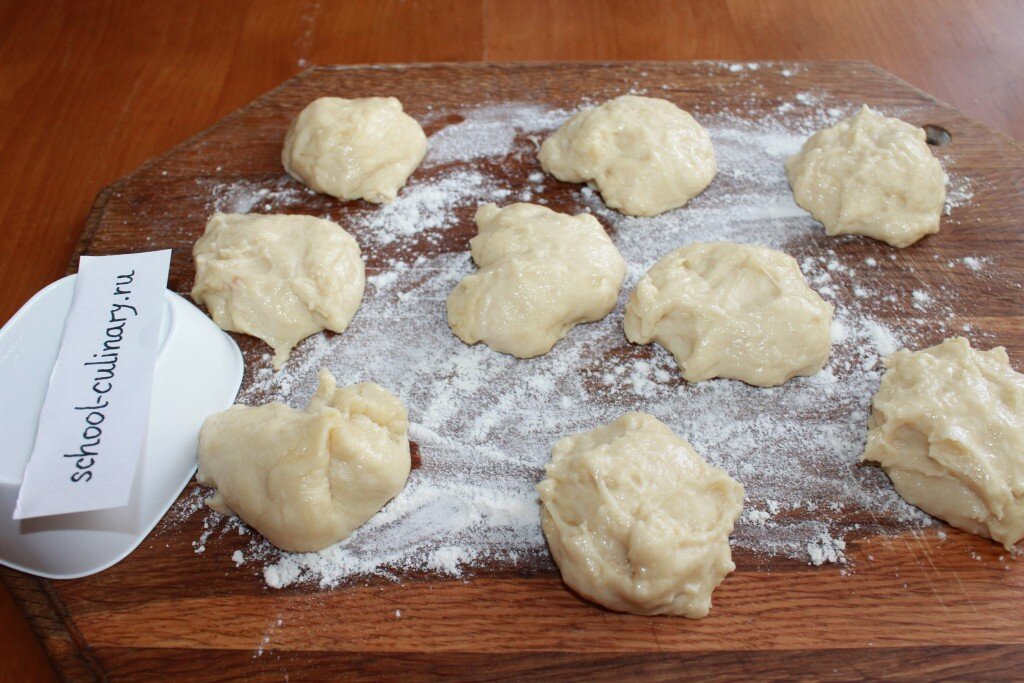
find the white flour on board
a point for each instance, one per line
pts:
(490, 132)
(485, 422)
(424, 209)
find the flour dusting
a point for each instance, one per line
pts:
(423, 209)
(490, 132)
(485, 422)
(248, 197)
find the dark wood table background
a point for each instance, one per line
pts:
(91, 89)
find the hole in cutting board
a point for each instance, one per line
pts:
(937, 136)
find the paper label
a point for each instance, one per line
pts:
(92, 428)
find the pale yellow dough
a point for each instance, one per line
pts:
(280, 278)
(354, 149)
(644, 155)
(947, 425)
(732, 310)
(306, 479)
(636, 520)
(870, 175)
(541, 273)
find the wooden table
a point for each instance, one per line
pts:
(89, 90)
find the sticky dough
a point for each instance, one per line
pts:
(732, 310)
(276, 277)
(644, 155)
(636, 520)
(541, 273)
(354, 149)
(870, 175)
(947, 426)
(308, 478)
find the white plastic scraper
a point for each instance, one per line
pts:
(198, 372)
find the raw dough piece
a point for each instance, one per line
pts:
(645, 155)
(307, 478)
(725, 309)
(947, 425)
(636, 520)
(541, 273)
(870, 175)
(354, 149)
(732, 310)
(279, 278)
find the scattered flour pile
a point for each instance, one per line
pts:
(485, 422)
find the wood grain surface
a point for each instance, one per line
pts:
(918, 608)
(90, 89)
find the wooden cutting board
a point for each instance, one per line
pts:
(919, 609)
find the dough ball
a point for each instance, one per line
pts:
(541, 273)
(732, 310)
(870, 175)
(947, 426)
(307, 478)
(279, 278)
(354, 149)
(645, 155)
(636, 520)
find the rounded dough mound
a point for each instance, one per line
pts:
(354, 149)
(947, 425)
(644, 155)
(279, 278)
(307, 478)
(541, 273)
(870, 175)
(732, 310)
(636, 520)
